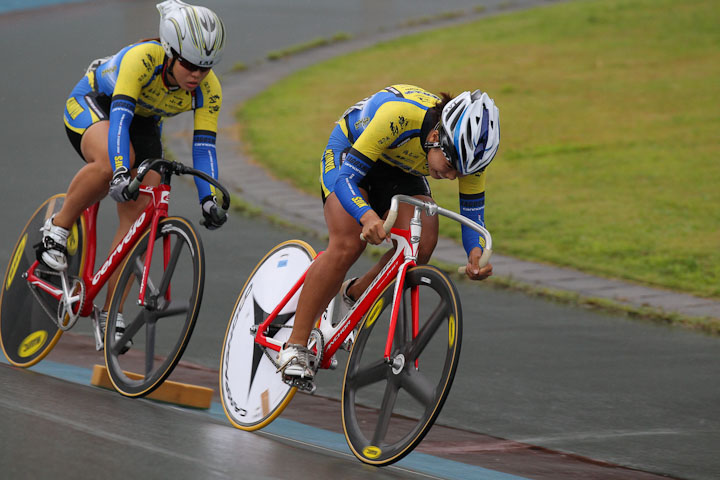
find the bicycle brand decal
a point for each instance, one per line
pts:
(32, 343)
(120, 246)
(371, 451)
(283, 262)
(73, 240)
(15, 261)
(451, 330)
(375, 312)
(164, 197)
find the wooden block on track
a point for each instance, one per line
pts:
(170, 392)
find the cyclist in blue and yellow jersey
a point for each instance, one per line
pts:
(114, 117)
(385, 145)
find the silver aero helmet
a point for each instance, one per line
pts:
(470, 131)
(195, 33)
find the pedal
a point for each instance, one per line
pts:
(99, 341)
(303, 384)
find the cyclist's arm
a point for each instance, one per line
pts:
(133, 72)
(208, 98)
(472, 206)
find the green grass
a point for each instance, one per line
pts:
(610, 113)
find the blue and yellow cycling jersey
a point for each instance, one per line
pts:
(133, 79)
(389, 127)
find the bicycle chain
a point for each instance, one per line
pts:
(54, 315)
(267, 351)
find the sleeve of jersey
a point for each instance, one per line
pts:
(205, 159)
(208, 98)
(133, 72)
(354, 168)
(122, 111)
(472, 206)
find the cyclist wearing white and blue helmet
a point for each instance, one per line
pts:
(385, 145)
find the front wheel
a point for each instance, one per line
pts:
(388, 407)
(28, 318)
(160, 329)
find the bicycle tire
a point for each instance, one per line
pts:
(252, 391)
(386, 412)
(161, 328)
(27, 333)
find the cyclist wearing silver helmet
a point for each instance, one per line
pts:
(114, 116)
(384, 145)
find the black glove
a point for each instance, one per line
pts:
(119, 186)
(211, 214)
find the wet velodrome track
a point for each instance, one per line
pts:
(543, 390)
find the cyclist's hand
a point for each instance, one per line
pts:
(472, 270)
(212, 218)
(372, 230)
(119, 186)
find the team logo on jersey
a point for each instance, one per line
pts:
(329, 160)
(359, 201)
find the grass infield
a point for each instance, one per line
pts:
(610, 111)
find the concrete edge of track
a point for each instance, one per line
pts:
(296, 432)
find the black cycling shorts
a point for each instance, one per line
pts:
(144, 131)
(383, 181)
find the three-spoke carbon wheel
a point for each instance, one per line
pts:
(160, 329)
(388, 407)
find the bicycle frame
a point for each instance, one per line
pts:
(156, 209)
(404, 258)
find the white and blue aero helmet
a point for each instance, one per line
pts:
(470, 131)
(195, 33)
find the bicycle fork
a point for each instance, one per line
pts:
(411, 247)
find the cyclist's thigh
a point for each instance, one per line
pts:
(94, 146)
(343, 230)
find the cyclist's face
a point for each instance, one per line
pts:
(188, 79)
(438, 164)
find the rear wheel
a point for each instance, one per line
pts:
(28, 328)
(252, 390)
(161, 328)
(387, 408)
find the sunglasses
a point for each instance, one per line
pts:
(191, 67)
(444, 145)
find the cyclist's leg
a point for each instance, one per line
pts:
(145, 142)
(328, 271)
(92, 181)
(128, 213)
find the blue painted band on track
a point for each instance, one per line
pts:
(296, 431)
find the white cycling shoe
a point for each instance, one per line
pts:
(53, 247)
(349, 302)
(119, 329)
(295, 361)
